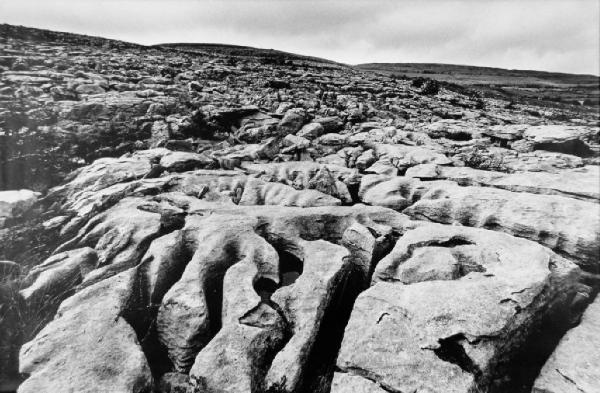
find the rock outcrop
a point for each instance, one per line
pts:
(207, 219)
(452, 309)
(571, 368)
(568, 226)
(58, 360)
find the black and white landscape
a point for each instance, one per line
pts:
(210, 218)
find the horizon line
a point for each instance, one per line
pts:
(293, 53)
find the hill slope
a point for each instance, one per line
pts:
(510, 84)
(272, 55)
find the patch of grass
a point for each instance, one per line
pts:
(21, 321)
(479, 158)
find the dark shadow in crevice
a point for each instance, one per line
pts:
(383, 248)
(574, 147)
(465, 267)
(156, 353)
(527, 360)
(321, 362)
(451, 350)
(454, 241)
(265, 288)
(459, 136)
(274, 341)
(141, 316)
(213, 287)
(290, 254)
(142, 309)
(290, 268)
(353, 190)
(527, 363)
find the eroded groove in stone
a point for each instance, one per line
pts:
(197, 298)
(442, 257)
(263, 223)
(119, 244)
(534, 217)
(321, 363)
(159, 269)
(304, 304)
(49, 283)
(306, 363)
(236, 358)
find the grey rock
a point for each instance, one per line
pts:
(402, 338)
(568, 226)
(572, 366)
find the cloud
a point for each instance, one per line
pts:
(552, 35)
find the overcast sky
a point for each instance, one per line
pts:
(552, 35)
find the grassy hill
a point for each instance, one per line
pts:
(245, 51)
(536, 87)
(502, 83)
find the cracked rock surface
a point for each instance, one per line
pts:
(451, 309)
(572, 367)
(202, 220)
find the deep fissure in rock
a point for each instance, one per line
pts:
(140, 314)
(575, 147)
(353, 190)
(321, 362)
(213, 287)
(142, 310)
(260, 365)
(459, 136)
(454, 241)
(530, 357)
